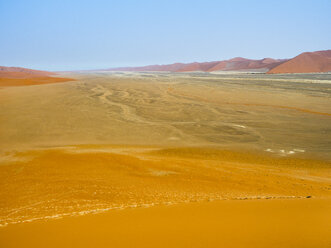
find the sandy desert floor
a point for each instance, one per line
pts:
(166, 159)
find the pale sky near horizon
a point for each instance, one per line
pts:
(80, 34)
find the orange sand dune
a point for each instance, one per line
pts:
(306, 63)
(18, 72)
(32, 81)
(17, 76)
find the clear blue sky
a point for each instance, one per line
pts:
(79, 34)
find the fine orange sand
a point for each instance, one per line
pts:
(143, 196)
(162, 160)
(301, 223)
(5, 82)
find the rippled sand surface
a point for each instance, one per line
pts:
(79, 180)
(123, 141)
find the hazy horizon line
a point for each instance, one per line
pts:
(63, 68)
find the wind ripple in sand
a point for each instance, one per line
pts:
(79, 180)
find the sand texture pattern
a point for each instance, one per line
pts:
(166, 159)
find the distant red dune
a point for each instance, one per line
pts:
(17, 76)
(234, 64)
(305, 63)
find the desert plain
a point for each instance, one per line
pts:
(158, 159)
